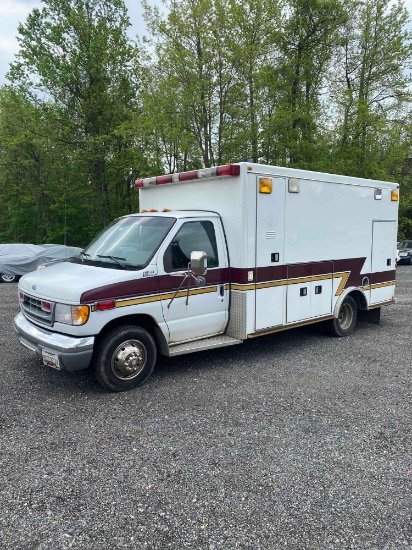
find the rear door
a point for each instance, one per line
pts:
(383, 261)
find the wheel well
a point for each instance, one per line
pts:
(140, 320)
(359, 298)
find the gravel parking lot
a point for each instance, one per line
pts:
(295, 440)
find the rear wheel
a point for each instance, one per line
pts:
(125, 358)
(4, 278)
(344, 324)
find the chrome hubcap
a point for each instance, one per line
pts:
(129, 359)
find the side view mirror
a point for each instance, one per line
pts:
(198, 263)
(196, 271)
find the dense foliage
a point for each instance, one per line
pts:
(314, 84)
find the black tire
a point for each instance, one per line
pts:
(346, 321)
(4, 278)
(124, 358)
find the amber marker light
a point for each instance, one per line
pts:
(394, 195)
(265, 185)
(80, 315)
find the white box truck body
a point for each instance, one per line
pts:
(283, 248)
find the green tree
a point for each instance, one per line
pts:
(371, 89)
(297, 79)
(78, 64)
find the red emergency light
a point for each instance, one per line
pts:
(226, 170)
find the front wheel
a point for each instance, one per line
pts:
(4, 278)
(344, 324)
(125, 358)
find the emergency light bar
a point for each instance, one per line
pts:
(227, 170)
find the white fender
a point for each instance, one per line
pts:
(343, 296)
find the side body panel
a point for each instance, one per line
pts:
(270, 234)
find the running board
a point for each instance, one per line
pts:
(203, 344)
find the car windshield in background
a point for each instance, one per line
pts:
(405, 244)
(128, 243)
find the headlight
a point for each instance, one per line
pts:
(71, 315)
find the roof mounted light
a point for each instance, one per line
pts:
(219, 171)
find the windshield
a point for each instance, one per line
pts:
(405, 244)
(128, 242)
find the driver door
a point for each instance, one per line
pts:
(192, 312)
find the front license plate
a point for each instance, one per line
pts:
(50, 359)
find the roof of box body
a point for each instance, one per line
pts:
(237, 169)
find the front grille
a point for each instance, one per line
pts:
(31, 308)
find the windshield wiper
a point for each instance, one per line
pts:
(113, 258)
(83, 255)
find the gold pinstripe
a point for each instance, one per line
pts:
(286, 282)
(245, 287)
(380, 304)
(294, 325)
(164, 296)
(379, 285)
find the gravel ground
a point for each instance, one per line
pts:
(295, 440)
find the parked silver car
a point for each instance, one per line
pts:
(18, 259)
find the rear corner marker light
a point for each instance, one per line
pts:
(106, 304)
(138, 183)
(394, 195)
(187, 176)
(265, 185)
(378, 194)
(160, 180)
(228, 170)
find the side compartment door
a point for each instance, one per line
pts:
(310, 289)
(383, 261)
(189, 311)
(270, 270)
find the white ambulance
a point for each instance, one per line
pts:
(215, 256)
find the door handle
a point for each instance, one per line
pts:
(222, 290)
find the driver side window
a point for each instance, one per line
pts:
(199, 235)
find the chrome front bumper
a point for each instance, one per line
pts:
(73, 353)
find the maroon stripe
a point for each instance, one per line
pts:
(382, 277)
(149, 285)
(213, 277)
(125, 289)
(308, 270)
(354, 265)
(270, 273)
(169, 283)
